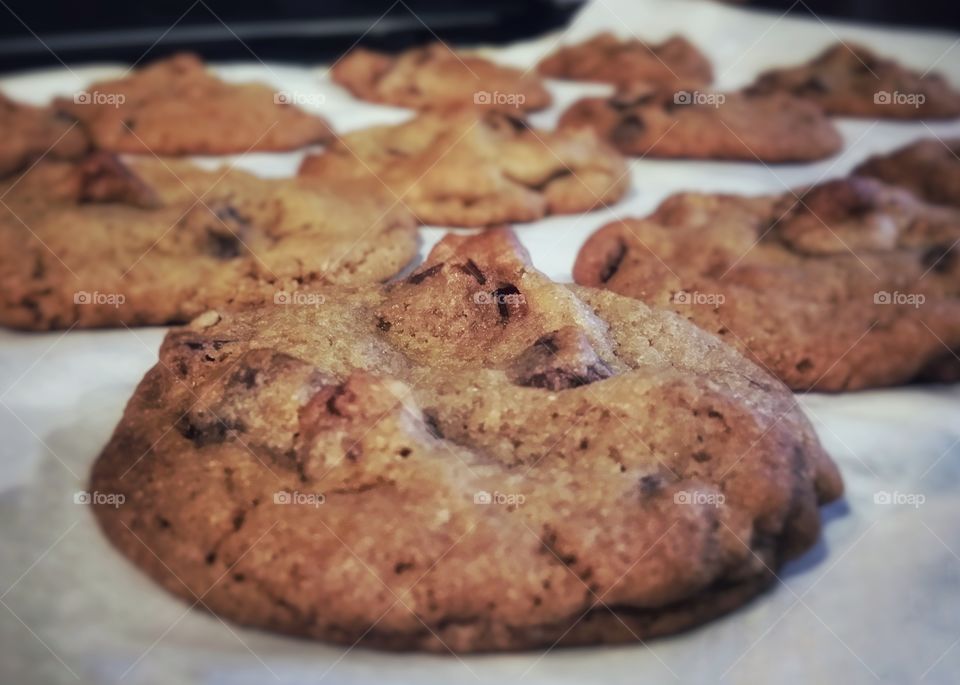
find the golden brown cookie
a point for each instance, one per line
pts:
(850, 80)
(473, 459)
(626, 62)
(854, 285)
(692, 124)
(469, 167)
(103, 244)
(30, 133)
(929, 168)
(436, 76)
(175, 106)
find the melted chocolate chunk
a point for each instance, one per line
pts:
(614, 260)
(420, 277)
(471, 268)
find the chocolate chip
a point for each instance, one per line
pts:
(628, 130)
(518, 124)
(559, 360)
(502, 296)
(813, 85)
(418, 278)
(649, 485)
(433, 425)
(383, 324)
(548, 342)
(471, 268)
(203, 429)
(226, 233)
(940, 258)
(614, 260)
(563, 379)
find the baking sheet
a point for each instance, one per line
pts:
(878, 599)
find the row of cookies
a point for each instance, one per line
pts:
(663, 107)
(174, 106)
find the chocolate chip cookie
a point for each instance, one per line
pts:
(472, 459)
(852, 285)
(436, 76)
(101, 243)
(929, 168)
(175, 106)
(469, 167)
(624, 62)
(694, 124)
(30, 133)
(851, 80)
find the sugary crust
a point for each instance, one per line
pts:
(321, 471)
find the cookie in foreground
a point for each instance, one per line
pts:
(848, 285)
(473, 167)
(103, 243)
(475, 458)
(176, 106)
(436, 76)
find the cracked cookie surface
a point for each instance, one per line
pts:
(851, 285)
(467, 167)
(473, 459)
(175, 106)
(691, 124)
(851, 80)
(31, 132)
(929, 168)
(624, 62)
(100, 243)
(436, 76)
